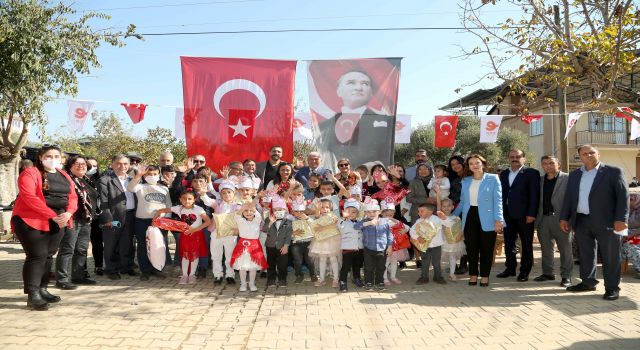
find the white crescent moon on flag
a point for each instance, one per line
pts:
(346, 121)
(446, 123)
(239, 84)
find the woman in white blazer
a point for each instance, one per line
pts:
(482, 219)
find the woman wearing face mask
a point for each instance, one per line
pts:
(151, 196)
(41, 217)
(72, 256)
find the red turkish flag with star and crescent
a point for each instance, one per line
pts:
(236, 109)
(446, 128)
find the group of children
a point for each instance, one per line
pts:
(255, 231)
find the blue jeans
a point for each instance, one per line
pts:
(140, 229)
(203, 262)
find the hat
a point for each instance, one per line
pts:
(134, 156)
(278, 203)
(387, 204)
(371, 204)
(351, 203)
(246, 182)
(227, 185)
(298, 205)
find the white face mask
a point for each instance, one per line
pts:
(92, 171)
(52, 164)
(279, 214)
(152, 179)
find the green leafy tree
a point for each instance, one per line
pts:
(467, 142)
(44, 47)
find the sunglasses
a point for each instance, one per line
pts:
(199, 161)
(343, 165)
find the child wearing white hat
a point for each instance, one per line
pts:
(351, 245)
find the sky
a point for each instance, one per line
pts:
(149, 71)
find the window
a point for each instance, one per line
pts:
(536, 127)
(599, 122)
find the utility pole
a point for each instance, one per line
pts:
(561, 97)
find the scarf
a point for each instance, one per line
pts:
(83, 196)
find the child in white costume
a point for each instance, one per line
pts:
(247, 256)
(453, 247)
(326, 242)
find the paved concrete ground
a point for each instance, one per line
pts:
(162, 314)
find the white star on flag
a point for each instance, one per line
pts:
(239, 129)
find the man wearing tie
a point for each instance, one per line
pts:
(520, 198)
(596, 206)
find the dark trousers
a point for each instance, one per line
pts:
(300, 253)
(589, 240)
(432, 256)
(97, 249)
(351, 260)
(72, 254)
(480, 244)
(140, 229)
(277, 264)
(518, 228)
(203, 261)
(374, 266)
(39, 247)
(118, 247)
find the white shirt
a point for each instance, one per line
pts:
(474, 189)
(249, 229)
(124, 181)
(184, 213)
(513, 174)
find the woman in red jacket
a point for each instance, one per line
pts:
(41, 216)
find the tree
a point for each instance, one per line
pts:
(467, 142)
(586, 44)
(44, 48)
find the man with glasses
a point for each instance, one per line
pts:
(313, 167)
(186, 172)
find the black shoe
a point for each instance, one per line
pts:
(48, 297)
(263, 274)
(566, 282)
(484, 284)
(231, 280)
(271, 283)
(132, 273)
(461, 270)
(282, 284)
(66, 285)
(114, 276)
(201, 273)
(581, 287)
(85, 281)
(99, 271)
(402, 265)
(158, 274)
(544, 277)
(299, 279)
(440, 280)
(144, 277)
(523, 278)
(418, 264)
(506, 274)
(473, 283)
(35, 301)
(358, 283)
(217, 280)
(381, 287)
(343, 286)
(369, 287)
(611, 295)
(314, 278)
(422, 280)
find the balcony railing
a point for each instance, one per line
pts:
(605, 138)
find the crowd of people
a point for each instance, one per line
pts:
(368, 220)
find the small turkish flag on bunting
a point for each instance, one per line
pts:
(446, 128)
(625, 112)
(135, 111)
(527, 119)
(241, 125)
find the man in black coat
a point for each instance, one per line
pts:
(356, 132)
(596, 206)
(520, 199)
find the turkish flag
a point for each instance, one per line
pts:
(446, 127)
(135, 111)
(237, 109)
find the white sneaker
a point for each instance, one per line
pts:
(243, 287)
(183, 279)
(252, 287)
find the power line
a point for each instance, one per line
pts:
(174, 5)
(317, 30)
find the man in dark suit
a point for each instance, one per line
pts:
(117, 205)
(356, 132)
(266, 170)
(520, 198)
(596, 206)
(313, 167)
(553, 185)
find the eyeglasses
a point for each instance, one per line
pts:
(199, 161)
(343, 165)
